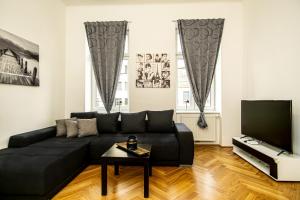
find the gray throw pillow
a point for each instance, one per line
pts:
(61, 129)
(72, 128)
(87, 127)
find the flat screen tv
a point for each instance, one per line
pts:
(268, 121)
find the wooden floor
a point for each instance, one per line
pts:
(217, 173)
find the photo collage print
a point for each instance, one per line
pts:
(153, 70)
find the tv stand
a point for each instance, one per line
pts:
(281, 152)
(279, 166)
(249, 140)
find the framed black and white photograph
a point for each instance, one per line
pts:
(166, 66)
(19, 60)
(140, 58)
(154, 71)
(157, 58)
(148, 57)
(165, 75)
(164, 58)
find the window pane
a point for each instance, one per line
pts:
(119, 86)
(126, 46)
(124, 66)
(118, 101)
(98, 102)
(180, 63)
(178, 45)
(186, 96)
(208, 101)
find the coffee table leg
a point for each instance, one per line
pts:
(146, 179)
(116, 168)
(104, 178)
(150, 169)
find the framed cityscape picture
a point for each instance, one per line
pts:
(19, 60)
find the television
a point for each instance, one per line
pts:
(269, 121)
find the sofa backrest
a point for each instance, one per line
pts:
(83, 115)
(25, 139)
(161, 121)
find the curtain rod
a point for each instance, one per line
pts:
(172, 21)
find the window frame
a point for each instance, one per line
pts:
(115, 108)
(192, 107)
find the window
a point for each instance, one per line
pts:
(186, 96)
(119, 87)
(121, 98)
(185, 100)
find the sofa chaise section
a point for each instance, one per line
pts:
(39, 170)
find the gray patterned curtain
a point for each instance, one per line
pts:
(200, 41)
(106, 43)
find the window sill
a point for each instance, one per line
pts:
(196, 112)
(102, 110)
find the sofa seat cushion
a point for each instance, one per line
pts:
(37, 169)
(63, 142)
(103, 142)
(164, 145)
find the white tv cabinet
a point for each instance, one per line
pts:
(283, 167)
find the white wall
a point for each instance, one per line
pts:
(27, 108)
(152, 30)
(259, 56)
(272, 46)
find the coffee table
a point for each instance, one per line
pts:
(116, 156)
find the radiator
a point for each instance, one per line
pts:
(210, 134)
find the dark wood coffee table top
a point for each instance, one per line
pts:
(115, 153)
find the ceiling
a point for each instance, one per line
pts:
(111, 2)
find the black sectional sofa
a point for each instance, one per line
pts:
(37, 164)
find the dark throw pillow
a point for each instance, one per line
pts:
(133, 122)
(84, 115)
(107, 123)
(160, 121)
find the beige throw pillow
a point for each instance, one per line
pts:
(61, 129)
(87, 127)
(72, 128)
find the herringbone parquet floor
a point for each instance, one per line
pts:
(217, 173)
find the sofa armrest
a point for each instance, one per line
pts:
(186, 144)
(25, 139)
